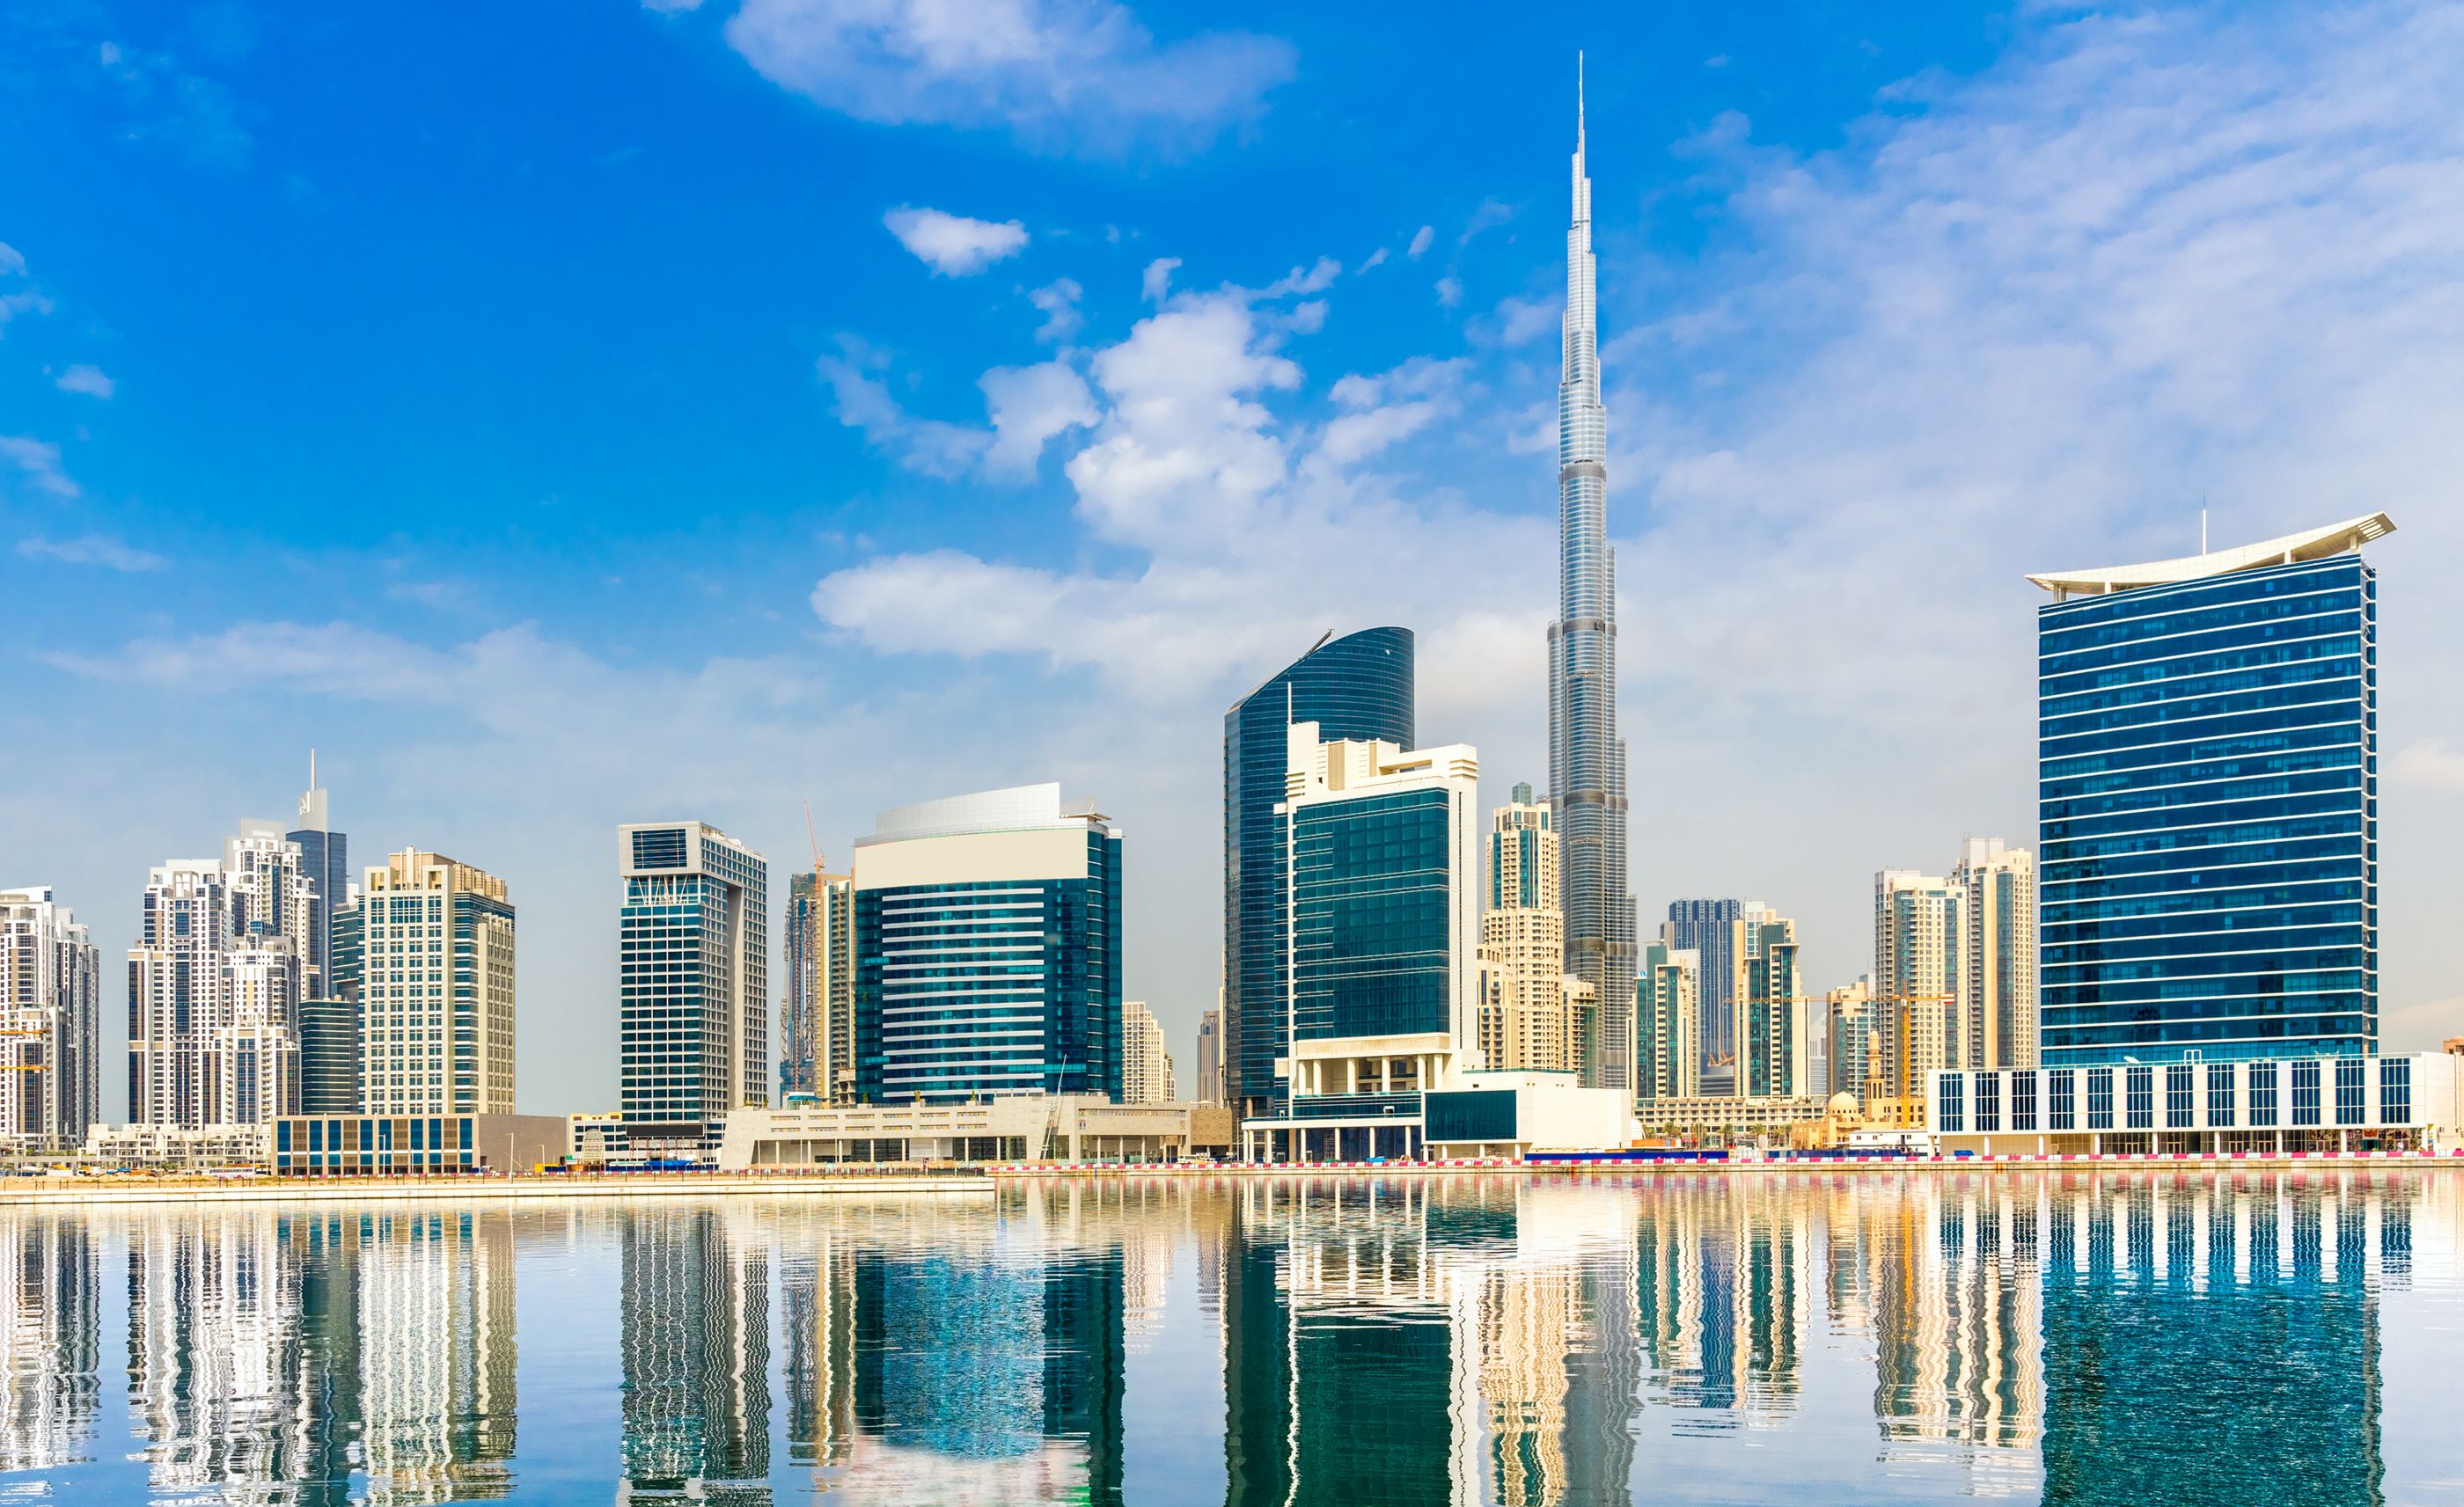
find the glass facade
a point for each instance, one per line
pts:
(967, 990)
(693, 977)
(2209, 802)
(1357, 687)
(1371, 897)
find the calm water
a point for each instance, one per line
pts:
(1806, 1339)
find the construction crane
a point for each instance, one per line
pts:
(811, 839)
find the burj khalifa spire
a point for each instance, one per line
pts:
(1586, 756)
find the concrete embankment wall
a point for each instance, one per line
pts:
(89, 1192)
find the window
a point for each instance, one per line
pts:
(2220, 1095)
(2023, 1102)
(2100, 1099)
(2351, 1091)
(1952, 1090)
(2305, 1092)
(2141, 1085)
(2263, 1079)
(2395, 1091)
(1989, 1102)
(2059, 1086)
(2181, 1096)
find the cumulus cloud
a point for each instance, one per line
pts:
(1157, 280)
(87, 379)
(10, 259)
(91, 548)
(1079, 76)
(1030, 405)
(1420, 239)
(38, 460)
(953, 244)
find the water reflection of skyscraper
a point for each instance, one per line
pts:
(436, 1343)
(1427, 1341)
(49, 1342)
(2153, 1383)
(1724, 1276)
(272, 1353)
(695, 1310)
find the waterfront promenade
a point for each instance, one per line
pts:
(89, 1192)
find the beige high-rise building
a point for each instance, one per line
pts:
(438, 1005)
(1918, 1017)
(1146, 1066)
(817, 1020)
(1532, 1011)
(1669, 1023)
(1998, 955)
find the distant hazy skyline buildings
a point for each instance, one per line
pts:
(1587, 766)
(1360, 685)
(2208, 771)
(326, 861)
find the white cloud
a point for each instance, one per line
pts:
(1030, 405)
(23, 301)
(87, 379)
(953, 244)
(92, 549)
(671, 6)
(929, 445)
(1157, 280)
(1449, 291)
(1316, 277)
(1058, 301)
(1420, 239)
(1376, 258)
(39, 461)
(10, 260)
(1066, 75)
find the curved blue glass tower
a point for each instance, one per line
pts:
(1357, 687)
(1586, 756)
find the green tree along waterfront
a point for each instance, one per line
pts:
(2072, 1338)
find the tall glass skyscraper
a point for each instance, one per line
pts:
(1357, 687)
(2209, 794)
(1586, 756)
(693, 979)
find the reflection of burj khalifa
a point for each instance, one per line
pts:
(1586, 756)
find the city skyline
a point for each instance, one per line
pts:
(471, 687)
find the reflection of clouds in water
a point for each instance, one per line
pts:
(1542, 1341)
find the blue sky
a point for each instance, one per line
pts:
(569, 415)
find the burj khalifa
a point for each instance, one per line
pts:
(1586, 756)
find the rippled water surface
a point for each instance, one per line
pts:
(1791, 1338)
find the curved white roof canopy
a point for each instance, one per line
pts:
(2310, 544)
